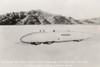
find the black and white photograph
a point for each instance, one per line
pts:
(49, 33)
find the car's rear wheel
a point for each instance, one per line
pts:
(77, 40)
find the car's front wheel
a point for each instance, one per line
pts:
(35, 43)
(49, 42)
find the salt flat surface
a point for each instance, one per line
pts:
(11, 49)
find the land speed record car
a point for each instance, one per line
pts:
(37, 38)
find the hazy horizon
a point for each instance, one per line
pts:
(77, 9)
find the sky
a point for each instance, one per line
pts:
(75, 8)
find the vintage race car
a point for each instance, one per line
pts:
(37, 38)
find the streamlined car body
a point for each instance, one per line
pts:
(37, 38)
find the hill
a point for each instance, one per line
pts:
(35, 17)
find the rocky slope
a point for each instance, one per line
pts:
(35, 17)
(95, 21)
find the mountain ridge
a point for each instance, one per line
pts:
(38, 17)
